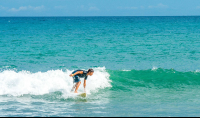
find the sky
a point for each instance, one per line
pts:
(99, 7)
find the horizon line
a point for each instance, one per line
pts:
(104, 16)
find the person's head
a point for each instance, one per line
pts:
(90, 72)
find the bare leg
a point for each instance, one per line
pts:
(77, 86)
(74, 86)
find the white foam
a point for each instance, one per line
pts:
(24, 82)
(197, 71)
(154, 68)
(126, 70)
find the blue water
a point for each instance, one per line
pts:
(144, 66)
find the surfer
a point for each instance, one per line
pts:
(77, 74)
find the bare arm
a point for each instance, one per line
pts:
(84, 84)
(78, 72)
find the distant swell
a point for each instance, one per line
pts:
(157, 78)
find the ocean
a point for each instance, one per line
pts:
(143, 66)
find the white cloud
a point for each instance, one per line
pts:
(19, 9)
(158, 6)
(144, 7)
(23, 8)
(37, 8)
(150, 7)
(88, 8)
(93, 9)
(2, 8)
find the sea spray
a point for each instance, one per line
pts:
(39, 83)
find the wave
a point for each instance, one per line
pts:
(154, 78)
(24, 82)
(58, 81)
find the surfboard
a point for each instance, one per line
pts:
(82, 94)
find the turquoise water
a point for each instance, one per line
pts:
(144, 66)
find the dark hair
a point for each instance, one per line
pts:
(90, 70)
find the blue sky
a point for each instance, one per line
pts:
(99, 7)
